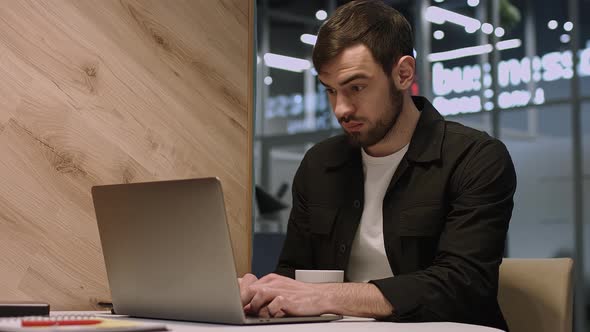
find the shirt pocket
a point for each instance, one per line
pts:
(421, 221)
(322, 220)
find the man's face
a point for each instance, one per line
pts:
(364, 99)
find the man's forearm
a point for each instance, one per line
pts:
(355, 299)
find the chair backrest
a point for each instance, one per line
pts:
(536, 294)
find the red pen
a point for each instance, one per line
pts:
(37, 323)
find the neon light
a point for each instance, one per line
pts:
(473, 3)
(459, 80)
(286, 62)
(508, 44)
(487, 28)
(321, 15)
(308, 39)
(554, 65)
(458, 105)
(439, 16)
(550, 67)
(539, 96)
(584, 65)
(565, 38)
(460, 53)
(438, 35)
(509, 99)
(514, 72)
(473, 50)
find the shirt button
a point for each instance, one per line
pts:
(342, 248)
(356, 203)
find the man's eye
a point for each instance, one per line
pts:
(357, 88)
(330, 91)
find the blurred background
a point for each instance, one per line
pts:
(517, 69)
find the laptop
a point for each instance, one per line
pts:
(168, 252)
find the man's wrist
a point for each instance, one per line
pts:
(328, 294)
(352, 299)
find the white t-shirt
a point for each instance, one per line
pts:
(368, 260)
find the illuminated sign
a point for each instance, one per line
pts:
(465, 89)
(470, 80)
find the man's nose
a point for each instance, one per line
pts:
(343, 108)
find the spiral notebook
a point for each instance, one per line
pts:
(85, 323)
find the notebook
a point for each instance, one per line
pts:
(168, 253)
(76, 323)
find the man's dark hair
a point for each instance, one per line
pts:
(385, 32)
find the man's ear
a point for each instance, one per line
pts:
(403, 72)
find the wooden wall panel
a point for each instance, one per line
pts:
(97, 92)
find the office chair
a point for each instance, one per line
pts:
(536, 294)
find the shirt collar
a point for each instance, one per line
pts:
(425, 145)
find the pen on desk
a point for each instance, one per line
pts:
(34, 323)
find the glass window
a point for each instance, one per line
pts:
(586, 189)
(584, 45)
(541, 149)
(526, 88)
(480, 121)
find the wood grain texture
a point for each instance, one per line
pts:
(98, 92)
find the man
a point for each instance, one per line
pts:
(414, 208)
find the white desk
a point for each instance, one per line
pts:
(348, 324)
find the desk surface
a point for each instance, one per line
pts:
(348, 324)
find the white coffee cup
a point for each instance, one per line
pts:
(319, 276)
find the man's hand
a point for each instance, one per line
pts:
(278, 296)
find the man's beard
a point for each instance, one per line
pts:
(383, 125)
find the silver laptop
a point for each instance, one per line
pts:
(168, 252)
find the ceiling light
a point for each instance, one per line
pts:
(438, 35)
(268, 80)
(473, 3)
(552, 24)
(568, 26)
(499, 32)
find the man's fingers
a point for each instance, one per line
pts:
(246, 293)
(276, 307)
(264, 313)
(261, 298)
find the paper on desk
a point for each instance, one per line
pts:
(355, 319)
(106, 325)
